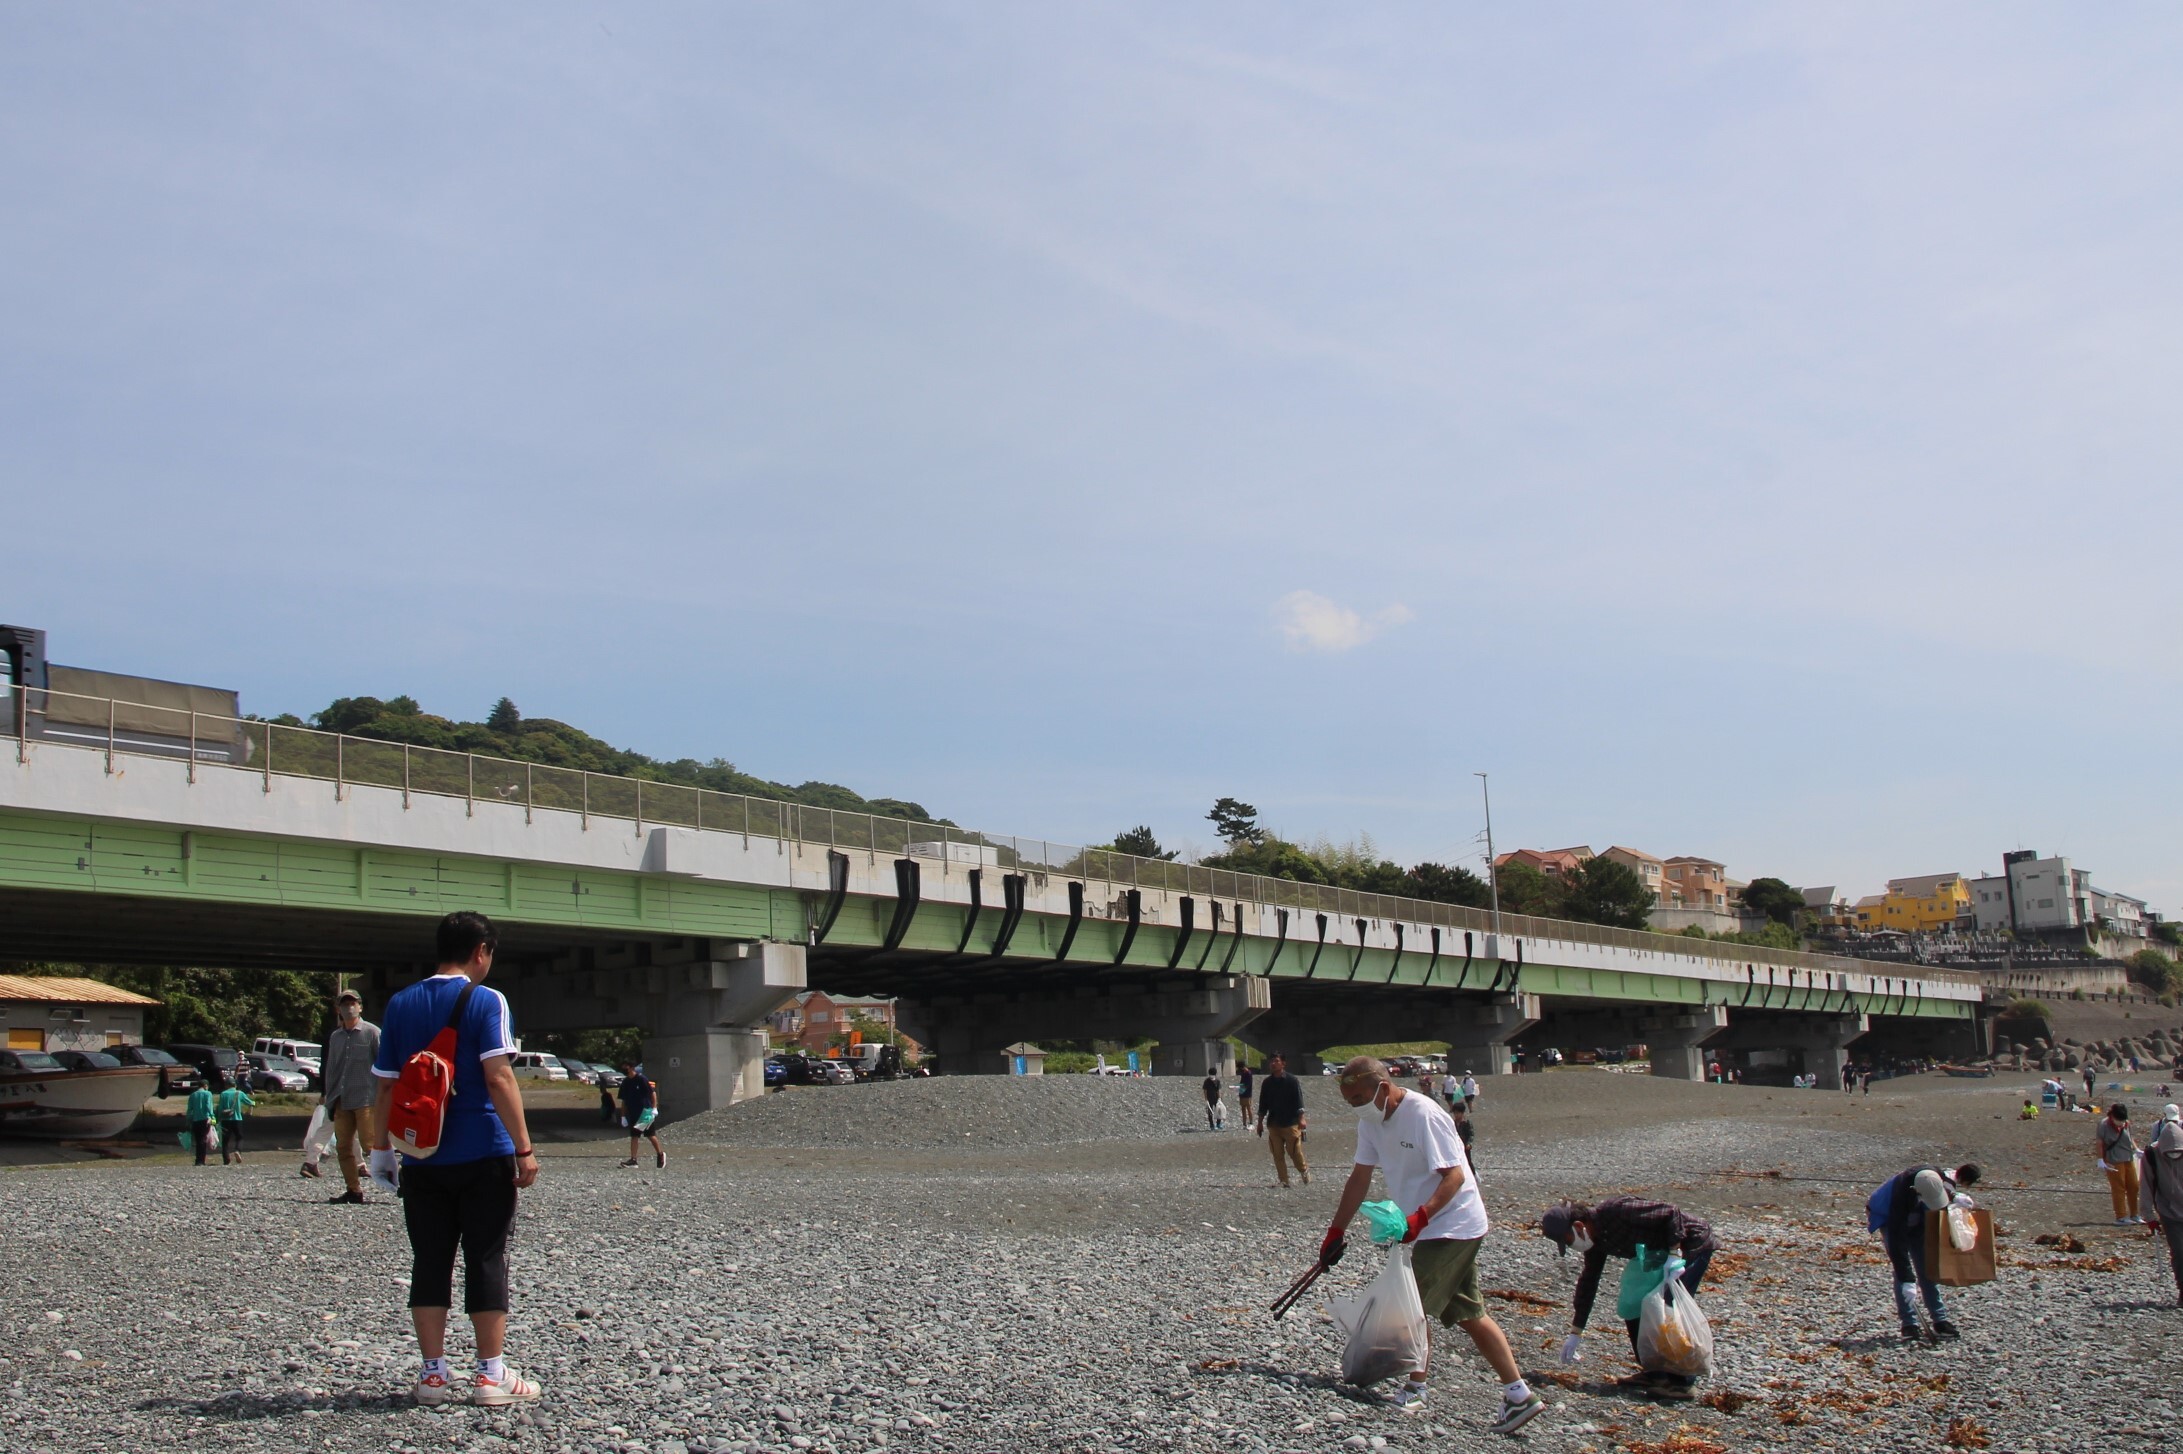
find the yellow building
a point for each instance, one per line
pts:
(1926, 904)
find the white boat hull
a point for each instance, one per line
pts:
(84, 1105)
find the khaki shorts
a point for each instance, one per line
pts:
(1447, 1278)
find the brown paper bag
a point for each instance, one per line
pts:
(1950, 1268)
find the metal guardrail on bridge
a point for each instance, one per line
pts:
(275, 750)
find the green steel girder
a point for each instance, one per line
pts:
(145, 862)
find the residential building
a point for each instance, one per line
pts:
(1652, 872)
(812, 1020)
(2034, 895)
(1865, 913)
(1553, 862)
(1695, 883)
(1826, 909)
(1925, 904)
(42, 1012)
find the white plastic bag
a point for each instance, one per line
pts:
(1673, 1335)
(1962, 1226)
(1385, 1324)
(212, 1137)
(317, 1138)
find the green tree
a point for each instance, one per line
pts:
(1525, 890)
(1603, 891)
(505, 718)
(1141, 842)
(1272, 858)
(2169, 932)
(1775, 899)
(2154, 970)
(1236, 822)
(1443, 885)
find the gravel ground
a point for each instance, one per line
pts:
(902, 1291)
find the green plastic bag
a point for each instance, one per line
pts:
(1639, 1277)
(1386, 1220)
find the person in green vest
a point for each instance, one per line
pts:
(199, 1112)
(229, 1107)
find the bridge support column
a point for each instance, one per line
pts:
(1824, 1041)
(1188, 1017)
(1479, 1035)
(1678, 1042)
(703, 1019)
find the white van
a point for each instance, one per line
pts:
(536, 1065)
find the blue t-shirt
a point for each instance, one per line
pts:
(472, 1130)
(636, 1094)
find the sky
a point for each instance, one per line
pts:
(1741, 431)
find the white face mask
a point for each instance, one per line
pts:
(1580, 1240)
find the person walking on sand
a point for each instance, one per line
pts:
(1470, 1089)
(2163, 1177)
(198, 1111)
(1216, 1109)
(1897, 1211)
(1243, 1092)
(2090, 1076)
(1281, 1120)
(1459, 1112)
(1618, 1227)
(2119, 1159)
(640, 1105)
(348, 1090)
(1412, 1143)
(228, 1107)
(464, 1197)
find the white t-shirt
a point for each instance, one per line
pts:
(1411, 1148)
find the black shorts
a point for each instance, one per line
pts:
(468, 1206)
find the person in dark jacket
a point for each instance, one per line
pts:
(2163, 1162)
(1281, 1107)
(1897, 1211)
(1618, 1227)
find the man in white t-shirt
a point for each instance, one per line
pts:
(1413, 1144)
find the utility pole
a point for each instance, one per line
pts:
(1493, 872)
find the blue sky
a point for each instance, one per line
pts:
(1748, 433)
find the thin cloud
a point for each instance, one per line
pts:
(1311, 622)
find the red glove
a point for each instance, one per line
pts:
(1332, 1246)
(1418, 1219)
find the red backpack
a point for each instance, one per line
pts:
(424, 1087)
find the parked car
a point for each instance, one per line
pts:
(776, 1071)
(175, 1078)
(582, 1070)
(840, 1071)
(535, 1065)
(86, 1060)
(307, 1054)
(216, 1063)
(274, 1073)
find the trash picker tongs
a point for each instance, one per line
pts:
(1298, 1288)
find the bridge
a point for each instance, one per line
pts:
(155, 832)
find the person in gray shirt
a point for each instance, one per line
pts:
(349, 1090)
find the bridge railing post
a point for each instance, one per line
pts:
(341, 764)
(527, 793)
(192, 747)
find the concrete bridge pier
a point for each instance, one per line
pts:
(1678, 1042)
(1676, 1037)
(1810, 1043)
(1189, 1017)
(703, 1019)
(1479, 1034)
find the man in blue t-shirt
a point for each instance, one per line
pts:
(640, 1108)
(464, 1195)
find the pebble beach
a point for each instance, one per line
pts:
(1078, 1264)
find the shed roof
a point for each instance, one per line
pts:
(59, 990)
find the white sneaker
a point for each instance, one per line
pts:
(1410, 1398)
(510, 1389)
(432, 1390)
